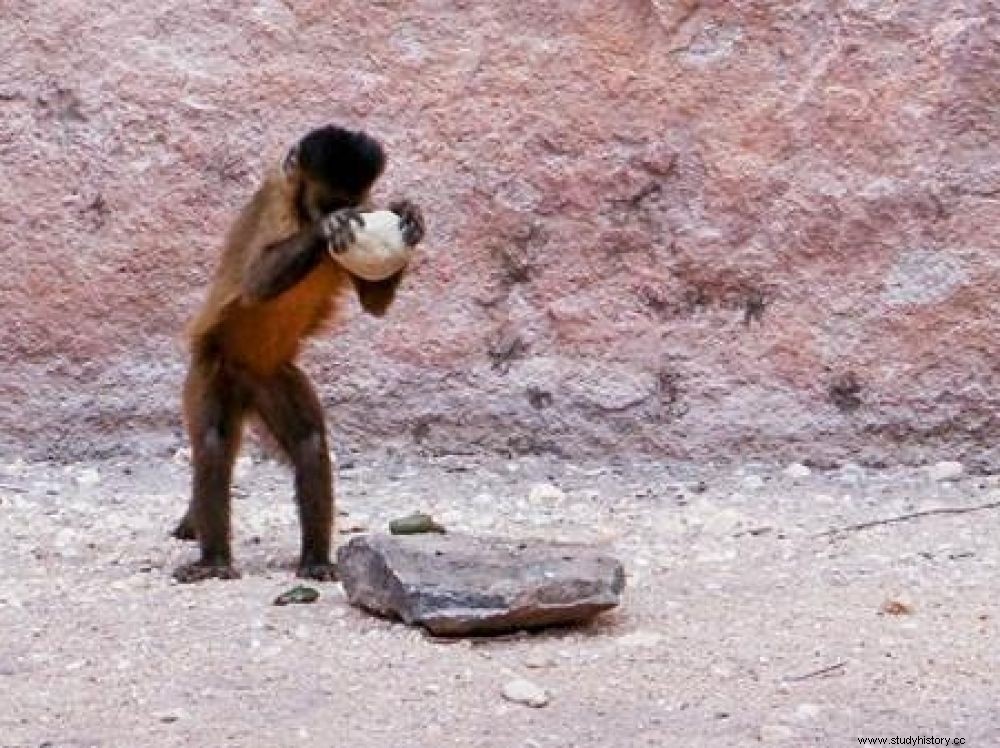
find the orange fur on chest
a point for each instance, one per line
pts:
(264, 336)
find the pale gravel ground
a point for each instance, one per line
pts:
(99, 648)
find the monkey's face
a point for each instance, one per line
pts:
(320, 198)
(336, 169)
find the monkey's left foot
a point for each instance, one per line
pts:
(411, 222)
(184, 529)
(324, 572)
(200, 571)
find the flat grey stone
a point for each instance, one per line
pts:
(455, 585)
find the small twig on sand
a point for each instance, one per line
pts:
(908, 517)
(15, 489)
(816, 673)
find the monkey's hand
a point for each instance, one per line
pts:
(411, 221)
(337, 230)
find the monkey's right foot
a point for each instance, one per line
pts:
(337, 230)
(200, 571)
(321, 572)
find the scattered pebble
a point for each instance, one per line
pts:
(545, 492)
(522, 691)
(415, 524)
(538, 661)
(170, 716)
(808, 712)
(66, 538)
(893, 607)
(298, 594)
(88, 477)
(797, 470)
(776, 734)
(13, 469)
(721, 522)
(639, 639)
(946, 470)
(753, 482)
(851, 472)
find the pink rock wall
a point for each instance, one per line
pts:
(694, 229)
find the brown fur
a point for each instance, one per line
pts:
(275, 285)
(262, 336)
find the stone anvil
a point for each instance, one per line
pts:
(455, 585)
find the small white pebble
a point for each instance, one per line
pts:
(808, 712)
(13, 469)
(88, 477)
(775, 734)
(537, 661)
(545, 492)
(525, 692)
(721, 522)
(797, 470)
(66, 538)
(753, 482)
(946, 470)
(639, 639)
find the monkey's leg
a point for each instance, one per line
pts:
(214, 409)
(289, 407)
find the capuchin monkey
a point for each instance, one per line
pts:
(275, 285)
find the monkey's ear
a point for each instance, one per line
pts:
(290, 166)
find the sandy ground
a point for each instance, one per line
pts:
(740, 624)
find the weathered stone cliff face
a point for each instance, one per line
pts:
(687, 228)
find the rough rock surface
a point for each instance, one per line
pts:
(457, 585)
(685, 227)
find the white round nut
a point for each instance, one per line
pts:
(378, 250)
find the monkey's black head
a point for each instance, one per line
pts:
(338, 168)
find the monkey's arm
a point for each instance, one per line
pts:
(279, 266)
(376, 296)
